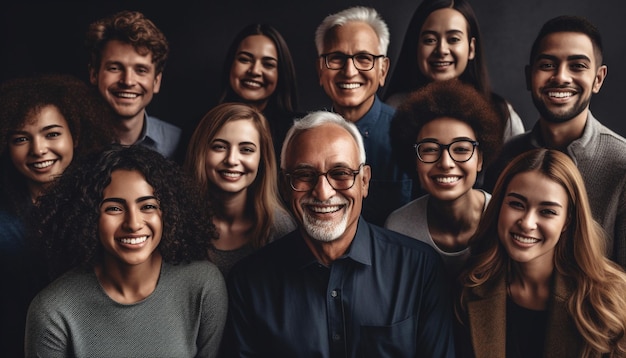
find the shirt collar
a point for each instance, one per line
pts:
(360, 250)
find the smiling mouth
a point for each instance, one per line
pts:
(447, 180)
(559, 94)
(441, 63)
(524, 239)
(231, 174)
(325, 209)
(133, 240)
(348, 85)
(42, 165)
(254, 84)
(126, 95)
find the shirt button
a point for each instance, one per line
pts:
(333, 293)
(336, 336)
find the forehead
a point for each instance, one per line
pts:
(239, 128)
(127, 183)
(565, 44)
(323, 147)
(115, 50)
(43, 116)
(446, 128)
(352, 37)
(445, 20)
(258, 44)
(537, 187)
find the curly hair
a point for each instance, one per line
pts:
(263, 198)
(285, 97)
(89, 119)
(597, 304)
(130, 27)
(451, 98)
(69, 211)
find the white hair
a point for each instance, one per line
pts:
(354, 14)
(316, 119)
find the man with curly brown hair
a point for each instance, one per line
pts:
(127, 57)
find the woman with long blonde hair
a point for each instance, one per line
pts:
(231, 155)
(537, 282)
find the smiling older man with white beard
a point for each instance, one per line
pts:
(338, 286)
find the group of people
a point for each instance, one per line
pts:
(423, 222)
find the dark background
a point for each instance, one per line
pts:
(48, 37)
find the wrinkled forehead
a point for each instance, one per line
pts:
(325, 146)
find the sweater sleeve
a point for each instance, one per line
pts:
(213, 315)
(46, 335)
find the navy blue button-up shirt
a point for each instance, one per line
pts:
(390, 187)
(386, 297)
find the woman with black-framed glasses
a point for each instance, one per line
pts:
(446, 133)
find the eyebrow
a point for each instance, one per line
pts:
(543, 203)
(46, 128)
(123, 201)
(543, 56)
(251, 55)
(449, 32)
(227, 142)
(453, 139)
(333, 166)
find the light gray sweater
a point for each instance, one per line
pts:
(183, 317)
(412, 220)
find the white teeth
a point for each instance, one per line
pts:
(231, 174)
(560, 94)
(127, 95)
(325, 209)
(251, 84)
(349, 85)
(447, 180)
(134, 240)
(42, 165)
(440, 64)
(525, 240)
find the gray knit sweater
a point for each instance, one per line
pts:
(600, 155)
(183, 317)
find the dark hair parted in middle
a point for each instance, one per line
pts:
(70, 211)
(285, 98)
(452, 99)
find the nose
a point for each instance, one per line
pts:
(127, 78)
(442, 47)
(255, 68)
(322, 189)
(133, 221)
(527, 222)
(562, 74)
(232, 157)
(38, 147)
(446, 161)
(349, 69)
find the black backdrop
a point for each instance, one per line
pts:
(48, 37)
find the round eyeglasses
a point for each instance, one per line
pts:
(362, 61)
(460, 150)
(339, 178)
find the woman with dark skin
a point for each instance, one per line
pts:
(132, 236)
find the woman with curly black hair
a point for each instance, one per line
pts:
(445, 132)
(47, 121)
(133, 231)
